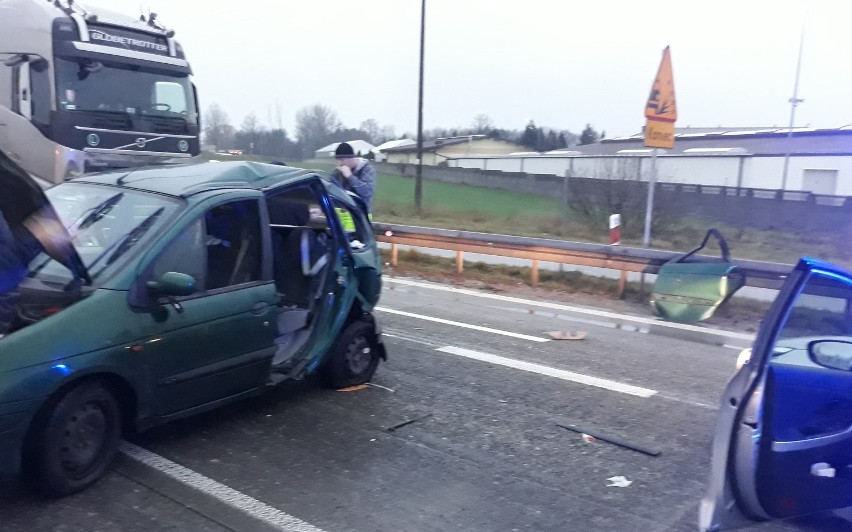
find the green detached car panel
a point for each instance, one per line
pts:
(203, 284)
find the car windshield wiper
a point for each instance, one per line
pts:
(97, 212)
(122, 245)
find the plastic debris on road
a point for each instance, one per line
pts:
(588, 438)
(618, 482)
(568, 335)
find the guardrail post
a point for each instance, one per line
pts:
(459, 262)
(394, 255)
(622, 283)
(534, 273)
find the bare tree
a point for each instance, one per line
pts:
(314, 124)
(218, 131)
(251, 132)
(388, 133)
(251, 124)
(372, 129)
(275, 116)
(482, 123)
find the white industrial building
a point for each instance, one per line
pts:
(819, 160)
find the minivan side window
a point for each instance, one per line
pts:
(220, 249)
(233, 243)
(185, 254)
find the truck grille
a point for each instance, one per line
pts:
(166, 125)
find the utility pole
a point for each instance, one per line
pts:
(418, 181)
(794, 101)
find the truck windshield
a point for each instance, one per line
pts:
(86, 85)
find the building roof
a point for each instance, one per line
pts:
(736, 141)
(395, 144)
(185, 180)
(437, 144)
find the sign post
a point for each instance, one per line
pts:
(660, 114)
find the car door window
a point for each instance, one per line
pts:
(815, 399)
(220, 249)
(185, 254)
(301, 244)
(233, 244)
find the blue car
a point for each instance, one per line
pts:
(783, 442)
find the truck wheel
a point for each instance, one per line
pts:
(76, 440)
(353, 359)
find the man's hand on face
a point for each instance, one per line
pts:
(345, 170)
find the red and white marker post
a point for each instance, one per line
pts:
(615, 240)
(615, 229)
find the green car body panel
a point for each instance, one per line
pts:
(690, 289)
(171, 357)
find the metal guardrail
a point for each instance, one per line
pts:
(625, 259)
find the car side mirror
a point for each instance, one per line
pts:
(834, 354)
(173, 284)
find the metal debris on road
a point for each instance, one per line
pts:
(618, 482)
(611, 439)
(380, 386)
(568, 335)
(407, 422)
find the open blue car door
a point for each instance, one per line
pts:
(783, 441)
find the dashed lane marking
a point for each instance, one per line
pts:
(549, 371)
(463, 325)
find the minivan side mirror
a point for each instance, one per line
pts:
(173, 284)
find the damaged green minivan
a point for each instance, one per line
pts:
(203, 284)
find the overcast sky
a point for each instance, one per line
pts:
(562, 63)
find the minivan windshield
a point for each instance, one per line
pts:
(105, 223)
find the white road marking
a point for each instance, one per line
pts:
(231, 497)
(579, 310)
(550, 372)
(463, 325)
(402, 336)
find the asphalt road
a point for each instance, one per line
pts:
(484, 449)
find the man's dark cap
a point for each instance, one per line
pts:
(344, 151)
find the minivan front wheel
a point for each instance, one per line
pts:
(353, 359)
(76, 440)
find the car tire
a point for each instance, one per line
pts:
(75, 440)
(353, 359)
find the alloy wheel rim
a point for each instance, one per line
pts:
(359, 354)
(83, 437)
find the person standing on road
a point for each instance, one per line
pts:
(355, 174)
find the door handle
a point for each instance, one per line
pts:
(259, 309)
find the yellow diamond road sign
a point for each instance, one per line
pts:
(661, 108)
